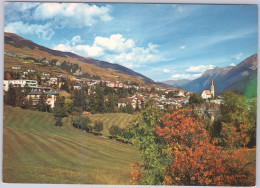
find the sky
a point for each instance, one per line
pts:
(161, 41)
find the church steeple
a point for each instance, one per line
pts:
(212, 89)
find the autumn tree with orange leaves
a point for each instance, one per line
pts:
(193, 159)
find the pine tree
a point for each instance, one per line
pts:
(129, 107)
(41, 105)
(10, 97)
(59, 111)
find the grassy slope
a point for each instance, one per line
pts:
(110, 119)
(35, 151)
(105, 74)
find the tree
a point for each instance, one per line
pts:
(98, 126)
(10, 97)
(83, 123)
(111, 103)
(7, 76)
(114, 131)
(58, 122)
(19, 97)
(38, 78)
(75, 121)
(68, 105)
(137, 106)
(129, 108)
(195, 99)
(151, 146)
(28, 103)
(234, 108)
(65, 86)
(100, 100)
(41, 105)
(235, 111)
(59, 111)
(194, 159)
(127, 134)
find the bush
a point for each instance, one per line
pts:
(98, 126)
(83, 123)
(58, 122)
(114, 130)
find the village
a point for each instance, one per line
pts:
(50, 86)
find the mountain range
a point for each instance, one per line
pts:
(17, 44)
(241, 78)
(237, 78)
(177, 83)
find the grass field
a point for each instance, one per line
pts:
(35, 151)
(110, 119)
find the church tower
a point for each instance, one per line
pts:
(212, 89)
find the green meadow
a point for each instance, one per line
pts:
(35, 151)
(109, 119)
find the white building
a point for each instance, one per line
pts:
(53, 80)
(20, 83)
(16, 67)
(207, 94)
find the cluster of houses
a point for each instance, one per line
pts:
(36, 91)
(180, 98)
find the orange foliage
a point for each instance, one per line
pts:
(8, 76)
(136, 173)
(197, 161)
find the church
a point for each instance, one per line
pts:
(208, 94)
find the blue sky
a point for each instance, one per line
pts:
(161, 41)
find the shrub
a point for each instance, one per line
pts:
(98, 126)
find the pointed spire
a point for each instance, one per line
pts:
(212, 83)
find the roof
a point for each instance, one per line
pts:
(35, 93)
(207, 92)
(41, 93)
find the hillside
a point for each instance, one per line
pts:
(35, 151)
(25, 48)
(236, 78)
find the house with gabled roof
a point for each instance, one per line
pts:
(208, 94)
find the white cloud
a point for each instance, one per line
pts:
(185, 76)
(18, 10)
(21, 6)
(86, 50)
(72, 14)
(182, 47)
(137, 57)
(200, 68)
(42, 31)
(196, 75)
(232, 64)
(181, 8)
(180, 76)
(237, 57)
(115, 42)
(115, 49)
(55, 16)
(63, 47)
(166, 70)
(76, 39)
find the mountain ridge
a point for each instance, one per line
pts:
(225, 77)
(22, 43)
